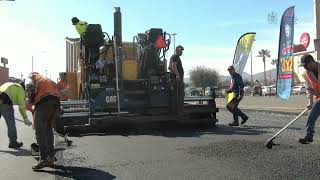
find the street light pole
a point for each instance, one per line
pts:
(36, 54)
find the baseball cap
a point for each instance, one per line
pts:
(179, 46)
(305, 59)
(230, 67)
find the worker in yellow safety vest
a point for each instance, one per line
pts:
(81, 26)
(12, 94)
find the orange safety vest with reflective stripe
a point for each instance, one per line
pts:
(44, 87)
(314, 83)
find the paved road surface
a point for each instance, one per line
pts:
(193, 153)
(175, 153)
(295, 101)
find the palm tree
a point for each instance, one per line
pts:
(264, 53)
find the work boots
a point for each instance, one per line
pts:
(244, 118)
(15, 144)
(234, 123)
(306, 140)
(49, 162)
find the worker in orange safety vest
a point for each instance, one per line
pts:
(312, 78)
(43, 93)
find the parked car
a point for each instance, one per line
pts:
(273, 89)
(298, 90)
(268, 90)
(220, 93)
(207, 91)
(256, 90)
(195, 92)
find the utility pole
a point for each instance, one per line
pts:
(36, 54)
(317, 24)
(174, 42)
(251, 66)
(32, 64)
(317, 17)
(251, 59)
(46, 73)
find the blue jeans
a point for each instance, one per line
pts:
(313, 116)
(237, 112)
(8, 114)
(232, 106)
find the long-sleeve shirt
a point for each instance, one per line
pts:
(236, 84)
(17, 95)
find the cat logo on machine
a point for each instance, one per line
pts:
(111, 99)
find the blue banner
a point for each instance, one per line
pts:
(285, 54)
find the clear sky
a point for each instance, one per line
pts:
(208, 29)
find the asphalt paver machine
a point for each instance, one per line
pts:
(138, 91)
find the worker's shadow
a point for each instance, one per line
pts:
(78, 173)
(24, 152)
(219, 129)
(17, 152)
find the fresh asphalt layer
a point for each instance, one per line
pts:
(189, 152)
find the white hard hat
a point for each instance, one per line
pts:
(30, 86)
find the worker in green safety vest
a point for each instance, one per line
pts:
(81, 26)
(12, 94)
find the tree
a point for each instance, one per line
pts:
(204, 77)
(264, 53)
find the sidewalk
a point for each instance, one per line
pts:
(16, 164)
(282, 110)
(295, 105)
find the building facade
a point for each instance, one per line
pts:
(4, 75)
